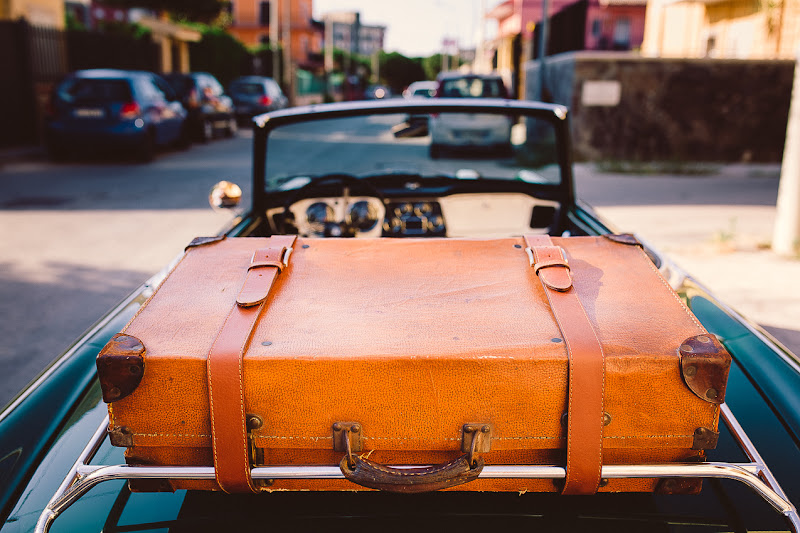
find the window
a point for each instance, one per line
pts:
(622, 34)
(263, 14)
(597, 27)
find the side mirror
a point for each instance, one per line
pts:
(225, 195)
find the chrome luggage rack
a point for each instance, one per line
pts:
(755, 474)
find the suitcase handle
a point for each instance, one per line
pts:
(410, 480)
(414, 479)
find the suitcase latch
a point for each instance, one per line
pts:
(347, 437)
(476, 438)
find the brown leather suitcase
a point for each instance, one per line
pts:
(450, 352)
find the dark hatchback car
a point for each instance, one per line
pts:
(254, 95)
(210, 109)
(98, 109)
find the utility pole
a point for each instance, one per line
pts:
(274, 37)
(288, 64)
(542, 48)
(786, 237)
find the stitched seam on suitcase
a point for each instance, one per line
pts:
(672, 291)
(410, 438)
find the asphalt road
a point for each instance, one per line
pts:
(77, 238)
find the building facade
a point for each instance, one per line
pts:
(725, 29)
(43, 13)
(572, 26)
(349, 34)
(251, 21)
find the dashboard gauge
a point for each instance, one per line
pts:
(436, 224)
(362, 216)
(423, 209)
(317, 215)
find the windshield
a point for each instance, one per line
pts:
(487, 146)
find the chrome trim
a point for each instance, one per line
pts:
(756, 475)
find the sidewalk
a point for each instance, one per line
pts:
(21, 154)
(717, 226)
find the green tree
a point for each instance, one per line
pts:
(432, 66)
(218, 53)
(193, 10)
(399, 71)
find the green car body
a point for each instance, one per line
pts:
(46, 427)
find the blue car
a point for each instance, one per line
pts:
(99, 109)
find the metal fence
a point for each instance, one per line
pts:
(35, 58)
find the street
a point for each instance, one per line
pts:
(78, 237)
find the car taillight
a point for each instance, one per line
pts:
(129, 110)
(192, 101)
(50, 108)
(265, 100)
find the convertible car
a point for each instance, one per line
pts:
(362, 170)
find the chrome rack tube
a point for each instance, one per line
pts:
(756, 475)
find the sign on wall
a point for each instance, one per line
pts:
(601, 93)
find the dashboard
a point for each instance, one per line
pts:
(455, 215)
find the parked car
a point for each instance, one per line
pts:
(464, 131)
(421, 89)
(339, 170)
(254, 95)
(113, 109)
(210, 109)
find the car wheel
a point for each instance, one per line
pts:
(206, 131)
(184, 139)
(435, 151)
(233, 127)
(147, 150)
(56, 151)
(505, 150)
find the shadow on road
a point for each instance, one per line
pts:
(37, 331)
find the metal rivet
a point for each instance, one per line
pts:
(555, 339)
(711, 393)
(686, 348)
(703, 338)
(135, 370)
(468, 429)
(486, 429)
(699, 431)
(337, 426)
(691, 370)
(114, 392)
(603, 482)
(266, 343)
(305, 246)
(254, 422)
(517, 246)
(606, 419)
(355, 428)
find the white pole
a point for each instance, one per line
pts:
(786, 237)
(274, 37)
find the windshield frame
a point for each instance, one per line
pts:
(556, 115)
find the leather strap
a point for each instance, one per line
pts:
(586, 366)
(224, 367)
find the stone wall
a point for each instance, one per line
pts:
(625, 107)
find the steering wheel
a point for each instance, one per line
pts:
(328, 186)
